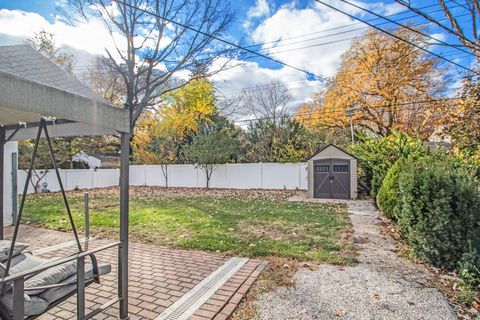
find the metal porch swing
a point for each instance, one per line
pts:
(33, 91)
(39, 285)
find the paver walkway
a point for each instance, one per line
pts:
(157, 278)
(381, 286)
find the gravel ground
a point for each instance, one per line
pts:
(381, 286)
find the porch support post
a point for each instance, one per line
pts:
(2, 177)
(123, 249)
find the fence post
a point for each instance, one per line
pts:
(299, 164)
(92, 170)
(87, 216)
(261, 175)
(145, 175)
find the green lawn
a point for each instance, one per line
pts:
(246, 226)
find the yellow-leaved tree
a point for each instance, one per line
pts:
(192, 106)
(160, 134)
(388, 83)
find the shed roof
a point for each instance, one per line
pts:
(334, 146)
(32, 86)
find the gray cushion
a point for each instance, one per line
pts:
(15, 261)
(51, 276)
(20, 263)
(38, 304)
(5, 247)
(33, 305)
(54, 294)
(25, 262)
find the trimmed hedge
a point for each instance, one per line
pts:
(389, 193)
(438, 212)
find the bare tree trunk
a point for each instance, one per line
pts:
(209, 175)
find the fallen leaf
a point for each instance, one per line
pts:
(340, 313)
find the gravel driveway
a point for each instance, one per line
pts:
(381, 286)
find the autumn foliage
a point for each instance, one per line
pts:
(388, 83)
(160, 132)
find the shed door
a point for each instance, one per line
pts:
(331, 178)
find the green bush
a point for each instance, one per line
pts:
(470, 268)
(377, 181)
(438, 212)
(389, 193)
(377, 154)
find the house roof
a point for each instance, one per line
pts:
(331, 145)
(32, 86)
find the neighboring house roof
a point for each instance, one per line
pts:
(105, 156)
(87, 157)
(331, 145)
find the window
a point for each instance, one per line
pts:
(322, 168)
(340, 168)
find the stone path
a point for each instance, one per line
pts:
(381, 286)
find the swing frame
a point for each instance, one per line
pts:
(36, 94)
(82, 282)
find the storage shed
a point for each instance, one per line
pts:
(332, 174)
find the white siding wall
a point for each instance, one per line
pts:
(10, 148)
(236, 176)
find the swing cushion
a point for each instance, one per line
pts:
(38, 301)
(51, 276)
(5, 247)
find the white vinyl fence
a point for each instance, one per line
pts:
(235, 176)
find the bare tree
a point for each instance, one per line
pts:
(44, 42)
(468, 37)
(229, 107)
(156, 41)
(266, 101)
(104, 78)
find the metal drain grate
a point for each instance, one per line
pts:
(183, 308)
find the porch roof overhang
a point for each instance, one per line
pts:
(32, 87)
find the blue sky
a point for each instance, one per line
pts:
(289, 26)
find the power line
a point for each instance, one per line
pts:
(399, 106)
(429, 18)
(396, 37)
(337, 33)
(352, 24)
(338, 41)
(314, 45)
(404, 26)
(326, 36)
(230, 43)
(240, 47)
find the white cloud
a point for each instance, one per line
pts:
(262, 8)
(392, 8)
(440, 36)
(91, 38)
(249, 74)
(287, 32)
(308, 27)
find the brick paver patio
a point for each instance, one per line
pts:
(157, 278)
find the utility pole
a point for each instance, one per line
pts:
(351, 113)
